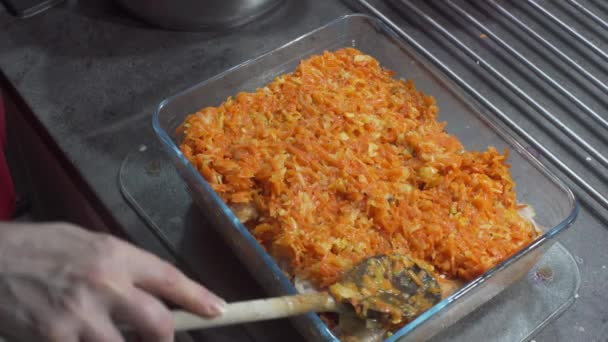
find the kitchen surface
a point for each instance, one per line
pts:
(83, 79)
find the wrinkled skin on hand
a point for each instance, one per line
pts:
(61, 283)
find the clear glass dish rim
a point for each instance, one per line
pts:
(172, 148)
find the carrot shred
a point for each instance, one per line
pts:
(343, 162)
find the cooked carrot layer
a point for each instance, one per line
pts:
(339, 161)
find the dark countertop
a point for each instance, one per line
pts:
(92, 77)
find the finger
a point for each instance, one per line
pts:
(100, 328)
(150, 319)
(169, 283)
(164, 280)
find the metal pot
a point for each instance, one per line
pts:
(198, 14)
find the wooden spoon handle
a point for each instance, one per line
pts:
(258, 310)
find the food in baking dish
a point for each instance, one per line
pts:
(340, 161)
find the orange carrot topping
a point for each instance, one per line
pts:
(342, 162)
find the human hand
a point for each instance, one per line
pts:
(61, 283)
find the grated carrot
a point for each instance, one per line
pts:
(342, 162)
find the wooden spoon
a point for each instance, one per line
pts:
(392, 289)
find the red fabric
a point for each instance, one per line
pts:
(7, 191)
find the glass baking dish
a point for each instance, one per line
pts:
(554, 204)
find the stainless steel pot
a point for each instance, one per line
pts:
(198, 14)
